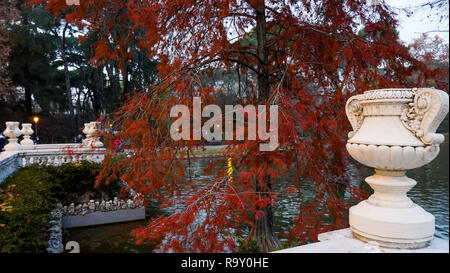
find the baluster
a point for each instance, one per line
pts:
(51, 160)
(12, 132)
(27, 143)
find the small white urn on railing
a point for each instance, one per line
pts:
(95, 133)
(394, 131)
(27, 132)
(87, 140)
(92, 131)
(12, 132)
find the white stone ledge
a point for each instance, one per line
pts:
(47, 154)
(103, 217)
(9, 162)
(52, 146)
(342, 241)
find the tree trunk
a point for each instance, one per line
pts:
(28, 91)
(67, 80)
(98, 79)
(262, 231)
(28, 102)
(262, 52)
(116, 89)
(126, 83)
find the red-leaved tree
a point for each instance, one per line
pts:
(306, 56)
(9, 15)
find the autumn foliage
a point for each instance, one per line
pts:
(306, 56)
(8, 15)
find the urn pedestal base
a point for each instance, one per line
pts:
(405, 228)
(344, 241)
(13, 146)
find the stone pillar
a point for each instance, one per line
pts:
(27, 131)
(394, 131)
(12, 132)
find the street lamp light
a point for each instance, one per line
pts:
(36, 120)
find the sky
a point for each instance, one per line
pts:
(411, 27)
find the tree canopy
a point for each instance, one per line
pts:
(305, 56)
(46, 71)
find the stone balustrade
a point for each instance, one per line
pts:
(9, 162)
(56, 157)
(25, 153)
(110, 205)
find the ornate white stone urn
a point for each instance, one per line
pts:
(27, 131)
(86, 129)
(94, 133)
(12, 132)
(394, 131)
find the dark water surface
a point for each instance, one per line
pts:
(431, 193)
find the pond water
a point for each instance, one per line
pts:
(431, 193)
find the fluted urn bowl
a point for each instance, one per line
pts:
(394, 130)
(393, 158)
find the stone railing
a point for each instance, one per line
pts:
(9, 162)
(102, 212)
(110, 205)
(56, 157)
(25, 153)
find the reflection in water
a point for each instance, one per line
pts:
(114, 238)
(230, 169)
(431, 193)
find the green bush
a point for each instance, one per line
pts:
(28, 196)
(30, 199)
(72, 180)
(248, 246)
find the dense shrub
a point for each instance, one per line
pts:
(70, 181)
(28, 196)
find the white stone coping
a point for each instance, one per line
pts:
(342, 241)
(52, 146)
(9, 162)
(103, 217)
(50, 154)
(62, 151)
(6, 157)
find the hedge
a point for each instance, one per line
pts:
(28, 196)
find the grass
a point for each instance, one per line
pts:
(210, 151)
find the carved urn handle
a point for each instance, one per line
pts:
(425, 113)
(354, 112)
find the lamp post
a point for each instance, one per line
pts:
(36, 120)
